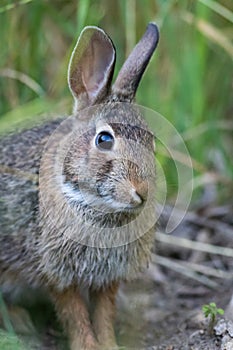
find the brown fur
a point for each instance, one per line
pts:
(74, 316)
(66, 245)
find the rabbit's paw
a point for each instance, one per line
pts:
(90, 344)
(110, 346)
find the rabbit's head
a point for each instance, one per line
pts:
(106, 167)
(110, 164)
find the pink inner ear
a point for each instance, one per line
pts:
(96, 65)
(94, 83)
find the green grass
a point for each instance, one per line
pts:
(189, 80)
(8, 338)
(10, 342)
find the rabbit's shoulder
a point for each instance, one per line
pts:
(20, 155)
(22, 150)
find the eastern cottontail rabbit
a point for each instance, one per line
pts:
(86, 223)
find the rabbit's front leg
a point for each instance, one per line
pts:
(103, 315)
(73, 313)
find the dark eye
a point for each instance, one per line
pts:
(104, 140)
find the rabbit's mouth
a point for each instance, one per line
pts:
(130, 202)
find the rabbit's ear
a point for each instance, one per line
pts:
(91, 67)
(130, 74)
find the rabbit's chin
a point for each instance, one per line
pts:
(105, 204)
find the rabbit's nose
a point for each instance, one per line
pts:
(135, 197)
(139, 192)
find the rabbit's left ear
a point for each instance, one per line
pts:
(131, 73)
(91, 67)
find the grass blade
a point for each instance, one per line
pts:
(13, 5)
(219, 9)
(213, 34)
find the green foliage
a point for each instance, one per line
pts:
(10, 342)
(211, 311)
(8, 339)
(5, 316)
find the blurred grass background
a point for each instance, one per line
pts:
(189, 80)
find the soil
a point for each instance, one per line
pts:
(167, 315)
(162, 310)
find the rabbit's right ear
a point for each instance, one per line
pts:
(91, 67)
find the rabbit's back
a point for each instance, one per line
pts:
(21, 151)
(20, 155)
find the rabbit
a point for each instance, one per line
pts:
(77, 194)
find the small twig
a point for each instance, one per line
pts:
(205, 270)
(179, 215)
(178, 267)
(203, 236)
(213, 224)
(186, 243)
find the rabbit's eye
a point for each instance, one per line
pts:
(104, 140)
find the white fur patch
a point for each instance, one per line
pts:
(84, 198)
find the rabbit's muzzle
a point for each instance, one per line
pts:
(117, 185)
(125, 192)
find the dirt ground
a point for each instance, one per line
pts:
(167, 315)
(162, 310)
